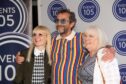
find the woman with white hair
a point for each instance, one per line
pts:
(94, 70)
(36, 68)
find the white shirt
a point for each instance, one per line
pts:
(37, 51)
(69, 37)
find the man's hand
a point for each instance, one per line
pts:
(19, 58)
(109, 53)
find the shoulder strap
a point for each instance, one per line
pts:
(101, 72)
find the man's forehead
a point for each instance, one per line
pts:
(63, 15)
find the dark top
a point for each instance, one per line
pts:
(24, 70)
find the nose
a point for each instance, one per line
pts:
(58, 23)
(36, 36)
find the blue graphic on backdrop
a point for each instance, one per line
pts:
(10, 44)
(54, 7)
(119, 10)
(119, 42)
(13, 16)
(123, 73)
(88, 10)
(13, 22)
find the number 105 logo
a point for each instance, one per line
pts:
(119, 42)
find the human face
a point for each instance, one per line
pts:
(63, 24)
(91, 40)
(39, 38)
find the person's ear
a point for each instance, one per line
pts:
(72, 24)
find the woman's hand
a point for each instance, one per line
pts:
(19, 58)
(109, 53)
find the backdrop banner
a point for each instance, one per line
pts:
(110, 15)
(15, 32)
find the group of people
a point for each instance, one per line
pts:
(69, 57)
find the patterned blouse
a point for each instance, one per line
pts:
(86, 70)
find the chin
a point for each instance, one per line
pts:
(61, 32)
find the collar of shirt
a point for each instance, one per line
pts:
(37, 51)
(69, 37)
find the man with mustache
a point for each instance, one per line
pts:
(67, 50)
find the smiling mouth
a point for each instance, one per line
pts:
(60, 28)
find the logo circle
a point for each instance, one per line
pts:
(119, 10)
(19, 38)
(123, 73)
(119, 42)
(10, 44)
(88, 10)
(54, 7)
(13, 16)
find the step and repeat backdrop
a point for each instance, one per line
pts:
(15, 32)
(110, 15)
(16, 26)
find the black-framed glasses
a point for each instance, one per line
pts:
(61, 21)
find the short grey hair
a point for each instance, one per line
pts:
(102, 36)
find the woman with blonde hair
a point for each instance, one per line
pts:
(36, 69)
(94, 70)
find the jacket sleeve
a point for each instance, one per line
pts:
(19, 74)
(19, 78)
(110, 71)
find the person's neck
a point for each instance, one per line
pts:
(92, 53)
(66, 34)
(41, 48)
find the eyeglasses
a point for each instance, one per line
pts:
(61, 21)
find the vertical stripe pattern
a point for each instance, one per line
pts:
(66, 56)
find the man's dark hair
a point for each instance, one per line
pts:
(72, 17)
